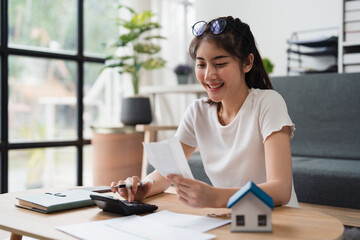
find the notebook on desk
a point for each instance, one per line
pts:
(49, 202)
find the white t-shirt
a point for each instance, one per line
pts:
(234, 154)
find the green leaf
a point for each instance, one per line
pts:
(129, 69)
(148, 48)
(127, 38)
(154, 63)
(144, 27)
(109, 57)
(114, 59)
(155, 37)
(126, 7)
(120, 21)
(113, 65)
(125, 57)
(142, 18)
(138, 67)
(268, 65)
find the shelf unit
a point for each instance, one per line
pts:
(315, 47)
(349, 39)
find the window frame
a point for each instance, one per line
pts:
(80, 60)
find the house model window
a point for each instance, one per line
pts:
(261, 220)
(240, 220)
(251, 210)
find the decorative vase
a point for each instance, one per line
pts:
(117, 154)
(182, 78)
(136, 110)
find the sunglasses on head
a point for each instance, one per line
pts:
(217, 26)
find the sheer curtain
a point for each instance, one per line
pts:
(173, 18)
(176, 18)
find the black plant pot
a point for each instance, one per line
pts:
(136, 110)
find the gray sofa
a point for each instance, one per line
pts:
(326, 148)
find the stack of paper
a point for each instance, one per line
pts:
(161, 225)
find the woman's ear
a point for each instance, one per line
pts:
(249, 63)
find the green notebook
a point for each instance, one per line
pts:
(56, 201)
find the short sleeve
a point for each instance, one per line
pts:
(186, 130)
(273, 115)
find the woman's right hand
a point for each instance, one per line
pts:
(133, 193)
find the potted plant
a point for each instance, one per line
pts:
(138, 53)
(269, 66)
(182, 72)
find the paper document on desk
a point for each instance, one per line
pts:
(154, 230)
(187, 221)
(168, 158)
(132, 228)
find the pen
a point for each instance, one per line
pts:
(127, 185)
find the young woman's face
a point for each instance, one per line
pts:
(219, 72)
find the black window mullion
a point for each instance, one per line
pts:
(53, 55)
(80, 84)
(4, 100)
(13, 146)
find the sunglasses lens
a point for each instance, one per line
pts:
(199, 28)
(218, 26)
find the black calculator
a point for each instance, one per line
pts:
(109, 204)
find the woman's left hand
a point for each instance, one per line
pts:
(194, 193)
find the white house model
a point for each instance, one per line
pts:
(251, 210)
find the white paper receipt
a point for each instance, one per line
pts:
(168, 158)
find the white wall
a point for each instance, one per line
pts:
(273, 21)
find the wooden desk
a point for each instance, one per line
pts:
(348, 216)
(288, 223)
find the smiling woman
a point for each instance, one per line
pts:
(220, 74)
(242, 130)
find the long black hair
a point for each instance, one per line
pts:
(238, 40)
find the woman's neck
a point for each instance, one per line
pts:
(230, 107)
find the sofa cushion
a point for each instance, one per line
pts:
(326, 111)
(197, 168)
(334, 182)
